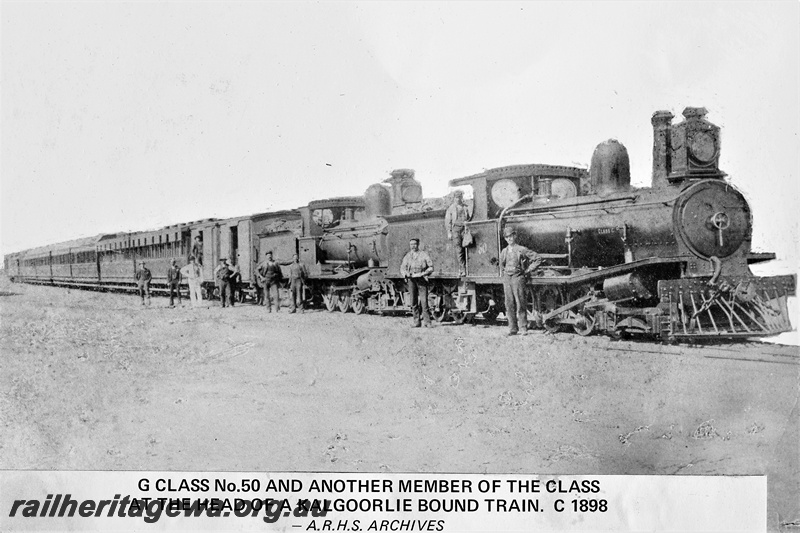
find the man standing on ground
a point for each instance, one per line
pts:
(174, 279)
(415, 268)
(235, 281)
(194, 274)
(271, 275)
(222, 276)
(515, 262)
(143, 277)
(455, 219)
(297, 278)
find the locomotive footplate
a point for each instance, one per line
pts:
(736, 306)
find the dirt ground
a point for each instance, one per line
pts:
(94, 381)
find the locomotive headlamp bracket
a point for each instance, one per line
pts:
(721, 221)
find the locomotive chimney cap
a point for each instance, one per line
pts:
(661, 116)
(694, 113)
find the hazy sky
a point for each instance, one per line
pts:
(121, 117)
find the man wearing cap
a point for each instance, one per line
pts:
(415, 268)
(515, 262)
(143, 277)
(454, 222)
(222, 276)
(271, 276)
(174, 278)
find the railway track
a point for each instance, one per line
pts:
(752, 352)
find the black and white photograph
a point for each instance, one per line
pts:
(461, 238)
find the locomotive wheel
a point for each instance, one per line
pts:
(490, 315)
(436, 305)
(330, 300)
(585, 325)
(549, 298)
(619, 334)
(343, 302)
(534, 317)
(551, 326)
(439, 314)
(359, 305)
(585, 321)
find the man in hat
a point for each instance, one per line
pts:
(174, 279)
(271, 276)
(222, 276)
(143, 277)
(194, 274)
(515, 262)
(416, 267)
(455, 219)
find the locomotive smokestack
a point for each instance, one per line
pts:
(662, 124)
(377, 201)
(610, 169)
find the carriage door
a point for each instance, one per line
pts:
(224, 242)
(209, 258)
(243, 254)
(234, 245)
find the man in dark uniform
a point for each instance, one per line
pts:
(222, 276)
(415, 268)
(515, 262)
(271, 276)
(143, 277)
(174, 279)
(297, 278)
(454, 222)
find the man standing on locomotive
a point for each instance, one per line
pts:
(197, 249)
(271, 276)
(415, 268)
(454, 222)
(515, 262)
(174, 278)
(143, 277)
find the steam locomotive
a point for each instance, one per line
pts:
(669, 261)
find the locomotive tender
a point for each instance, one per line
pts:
(671, 260)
